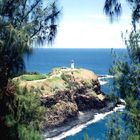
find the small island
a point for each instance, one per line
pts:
(71, 97)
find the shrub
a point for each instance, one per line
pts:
(25, 118)
(42, 87)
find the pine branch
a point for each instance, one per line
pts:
(37, 31)
(32, 8)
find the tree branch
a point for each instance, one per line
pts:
(46, 19)
(36, 31)
(52, 15)
(24, 5)
(32, 8)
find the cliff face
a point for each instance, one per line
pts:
(65, 92)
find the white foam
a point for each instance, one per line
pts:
(109, 76)
(103, 82)
(106, 77)
(78, 128)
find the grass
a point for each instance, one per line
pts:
(56, 83)
(54, 79)
(33, 77)
(77, 71)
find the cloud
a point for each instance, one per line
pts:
(84, 25)
(86, 35)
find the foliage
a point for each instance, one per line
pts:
(133, 47)
(27, 121)
(126, 84)
(33, 77)
(69, 80)
(126, 72)
(115, 127)
(112, 97)
(6, 104)
(28, 133)
(113, 8)
(134, 137)
(133, 115)
(77, 71)
(86, 137)
(36, 18)
(30, 73)
(22, 24)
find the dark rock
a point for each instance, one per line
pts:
(89, 102)
(83, 93)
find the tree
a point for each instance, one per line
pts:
(22, 23)
(126, 72)
(26, 118)
(126, 81)
(113, 8)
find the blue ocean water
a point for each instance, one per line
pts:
(43, 60)
(96, 131)
(98, 60)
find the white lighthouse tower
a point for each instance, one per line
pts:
(72, 64)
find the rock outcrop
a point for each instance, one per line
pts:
(65, 92)
(82, 91)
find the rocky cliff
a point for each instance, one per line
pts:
(64, 92)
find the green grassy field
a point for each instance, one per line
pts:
(33, 77)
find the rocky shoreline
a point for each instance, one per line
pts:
(82, 118)
(71, 97)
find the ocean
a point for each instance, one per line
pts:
(43, 60)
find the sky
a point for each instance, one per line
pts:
(83, 24)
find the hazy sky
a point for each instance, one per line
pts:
(83, 24)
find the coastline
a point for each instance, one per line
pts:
(84, 119)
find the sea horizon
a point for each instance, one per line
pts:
(73, 48)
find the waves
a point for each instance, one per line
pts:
(103, 79)
(103, 82)
(78, 128)
(105, 76)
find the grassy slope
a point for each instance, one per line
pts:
(57, 79)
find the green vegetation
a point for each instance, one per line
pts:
(56, 83)
(25, 118)
(69, 79)
(30, 115)
(77, 70)
(27, 121)
(66, 77)
(56, 71)
(42, 87)
(22, 22)
(33, 77)
(115, 127)
(113, 9)
(54, 79)
(86, 137)
(126, 85)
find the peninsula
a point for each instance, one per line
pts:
(71, 97)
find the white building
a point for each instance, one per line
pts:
(72, 64)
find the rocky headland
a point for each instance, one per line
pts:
(71, 97)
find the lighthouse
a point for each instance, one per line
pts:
(72, 64)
